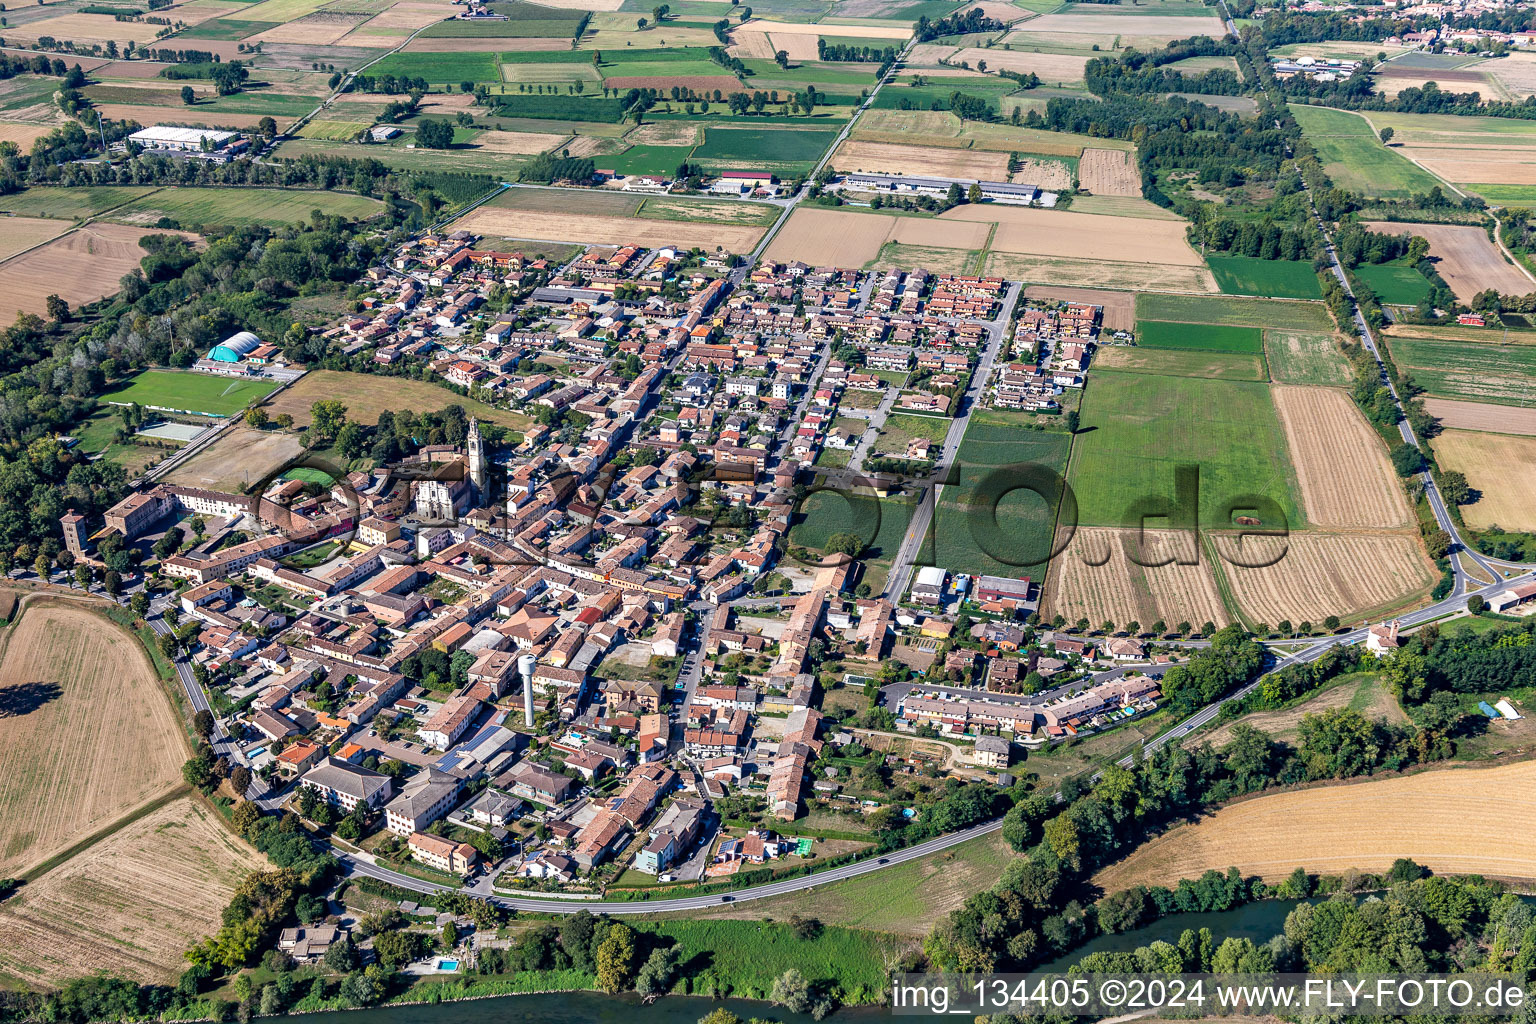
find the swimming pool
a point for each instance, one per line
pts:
(447, 965)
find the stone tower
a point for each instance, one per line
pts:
(477, 460)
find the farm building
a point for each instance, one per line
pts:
(235, 348)
(1514, 596)
(1000, 191)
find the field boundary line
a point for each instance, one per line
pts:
(78, 847)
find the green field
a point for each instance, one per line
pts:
(1506, 195)
(1138, 428)
(1503, 374)
(225, 30)
(988, 521)
(190, 392)
(1216, 309)
(1274, 279)
(743, 147)
(1355, 159)
(1299, 357)
(647, 160)
(879, 523)
(1394, 284)
(273, 207)
(441, 67)
(333, 131)
(70, 203)
(1199, 337)
(1182, 362)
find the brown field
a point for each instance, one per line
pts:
(1053, 68)
(1050, 270)
(86, 734)
(1109, 172)
(1393, 81)
(1366, 695)
(1502, 467)
(135, 69)
(1515, 74)
(798, 47)
(316, 29)
(1346, 480)
(1364, 825)
(1082, 235)
(698, 83)
(23, 133)
(1140, 26)
(408, 16)
(929, 53)
(846, 239)
(366, 396)
(899, 33)
(1119, 590)
(561, 227)
(1123, 206)
(128, 905)
(188, 115)
(85, 28)
(18, 234)
(1487, 165)
(239, 458)
(665, 133)
(521, 143)
(1313, 575)
(82, 266)
(1495, 419)
(1465, 257)
(751, 44)
(449, 44)
(884, 158)
(1119, 307)
(1046, 173)
(592, 145)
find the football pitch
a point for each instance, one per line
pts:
(191, 392)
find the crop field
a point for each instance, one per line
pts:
(1309, 576)
(921, 127)
(535, 226)
(1081, 235)
(982, 526)
(1364, 825)
(707, 212)
(648, 160)
(18, 234)
(1109, 172)
(1465, 257)
(1299, 316)
(846, 239)
(1097, 274)
(187, 391)
(742, 147)
(1299, 357)
(1394, 285)
(1199, 337)
(128, 905)
(1273, 279)
(334, 131)
(86, 734)
(273, 207)
(365, 396)
(1495, 419)
(1487, 372)
(1346, 480)
(1500, 466)
(24, 133)
(886, 158)
(1465, 150)
(80, 267)
(1355, 159)
(1182, 362)
(1145, 425)
(1096, 579)
(441, 67)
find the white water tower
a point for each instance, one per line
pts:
(526, 664)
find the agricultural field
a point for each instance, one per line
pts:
(1109, 172)
(22, 233)
(1466, 258)
(1099, 274)
(1449, 367)
(1081, 236)
(1273, 279)
(879, 523)
(1346, 479)
(1494, 419)
(80, 267)
(923, 127)
(1117, 29)
(1299, 316)
(616, 219)
(1502, 468)
(788, 149)
(1199, 337)
(366, 396)
(1182, 362)
(86, 734)
(271, 207)
(1143, 426)
(1393, 284)
(1300, 357)
(1467, 151)
(241, 457)
(888, 158)
(1311, 575)
(130, 904)
(186, 391)
(1355, 158)
(1364, 825)
(1096, 578)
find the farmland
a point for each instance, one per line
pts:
(1309, 576)
(190, 392)
(1364, 825)
(1467, 151)
(1355, 159)
(731, 148)
(236, 206)
(1081, 235)
(616, 218)
(69, 203)
(1199, 337)
(1485, 372)
(22, 233)
(1465, 257)
(1394, 285)
(1275, 279)
(129, 904)
(1182, 363)
(366, 396)
(888, 158)
(1346, 480)
(80, 267)
(1299, 316)
(1144, 426)
(1500, 466)
(239, 458)
(1096, 579)
(1496, 419)
(1299, 357)
(86, 734)
(1109, 172)
(979, 526)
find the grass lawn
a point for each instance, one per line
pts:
(1394, 284)
(1140, 427)
(1221, 309)
(272, 207)
(1275, 279)
(1355, 158)
(880, 523)
(1199, 337)
(190, 392)
(1299, 357)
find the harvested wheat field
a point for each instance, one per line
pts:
(885, 158)
(1309, 576)
(1082, 235)
(532, 225)
(130, 904)
(1465, 257)
(1364, 825)
(1109, 172)
(200, 116)
(1119, 590)
(84, 28)
(844, 239)
(24, 133)
(1053, 68)
(1051, 270)
(1107, 26)
(320, 29)
(1502, 467)
(82, 266)
(665, 133)
(18, 234)
(1119, 307)
(1346, 480)
(896, 32)
(521, 143)
(1495, 419)
(86, 734)
(1515, 73)
(1483, 164)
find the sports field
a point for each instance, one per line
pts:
(1355, 158)
(1199, 337)
(1140, 427)
(1486, 372)
(1393, 284)
(1275, 279)
(1221, 309)
(190, 392)
(272, 207)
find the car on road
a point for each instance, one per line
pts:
(727, 899)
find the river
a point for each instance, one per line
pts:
(585, 1008)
